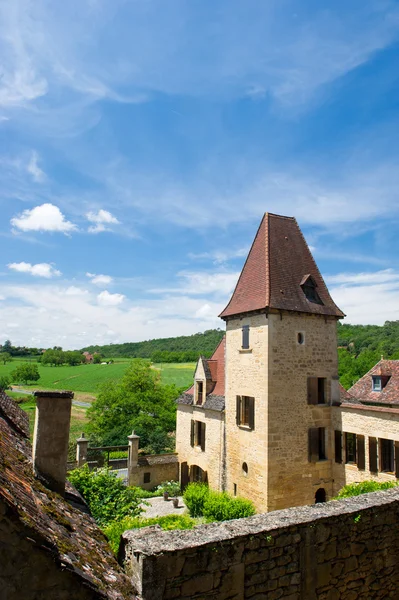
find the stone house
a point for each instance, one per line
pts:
(276, 429)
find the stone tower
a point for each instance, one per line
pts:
(281, 373)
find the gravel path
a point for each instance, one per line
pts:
(160, 507)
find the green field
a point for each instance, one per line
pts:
(87, 378)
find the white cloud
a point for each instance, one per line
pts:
(106, 299)
(201, 283)
(38, 175)
(219, 256)
(99, 279)
(46, 217)
(101, 218)
(45, 270)
(352, 279)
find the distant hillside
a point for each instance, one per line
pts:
(185, 348)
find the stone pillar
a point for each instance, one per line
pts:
(133, 459)
(82, 444)
(51, 437)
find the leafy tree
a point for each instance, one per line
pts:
(55, 357)
(138, 401)
(7, 347)
(25, 373)
(4, 382)
(97, 358)
(73, 358)
(5, 357)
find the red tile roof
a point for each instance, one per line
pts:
(388, 370)
(277, 264)
(216, 367)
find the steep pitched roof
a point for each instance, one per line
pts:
(278, 264)
(53, 526)
(388, 370)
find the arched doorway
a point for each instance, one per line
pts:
(320, 496)
(198, 474)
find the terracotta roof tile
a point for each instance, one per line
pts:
(277, 263)
(388, 370)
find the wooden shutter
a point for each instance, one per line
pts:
(314, 444)
(184, 476)
(205, 477)
(192, 432)
(238, 410)
(251, 420)
(397, 460)
(203, 428)
(373, 455)
(338, 446)
(245, 337)
(361, 456)
(313, 388)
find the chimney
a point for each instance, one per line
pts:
(51, 437)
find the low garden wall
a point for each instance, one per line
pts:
(341, 550)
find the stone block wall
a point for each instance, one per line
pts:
(162, 467)
(344, 550)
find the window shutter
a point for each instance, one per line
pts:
(184, 475)
(338, 446)
(312, 390)
(251, 420)
(397, 460)
(373, 454)
(205, 477)
(238, 410)
(245, 337)
(313, 444)
(361, 457)
(203, 427)
(192, 432)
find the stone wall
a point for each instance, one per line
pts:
(211, 459)
(373, 422)
(159, 468)
(344, 550)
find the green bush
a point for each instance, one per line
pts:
(355, 489)
(194, 497)
(141, 493)
(220, 506)
(106, 495)
(172, 487)
(4, 382)
(115, 529)
(118, 454)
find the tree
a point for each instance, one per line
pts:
(73, 357)
(138, 401)
(5, 357)
(97, 358)
(4, 382)
(25, 373)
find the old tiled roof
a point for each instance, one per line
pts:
(17, 418)
(214, 368)
(389, 395)
(278, 262)
(157, 459)
(345, 396)
(49, 522)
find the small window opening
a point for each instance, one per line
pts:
(200, 434)
(300, 338)
(387, 456)
(350, 448)
(245, 337)
(200, 391)
(320, 496)
(147, 478)
(377, 383)
(234, 489)
(245, 468)
(309, 286)
(322, 443)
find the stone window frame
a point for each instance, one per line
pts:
(350, 448)
(200, 388)
(245, 412)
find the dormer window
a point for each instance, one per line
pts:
(377, 383)
(200, 392)
(309, 286)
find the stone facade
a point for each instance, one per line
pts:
(152, 470)
(345, 550)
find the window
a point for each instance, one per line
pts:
(350, 448)
(338, 446)
(147, 478)
(245, 469)
(245, 411)
(387, 456)
(373, 458)
(317, 444)
(200, 391)
(245, 337)
(377, 385)
(300, 338)
(198, 474)
(198, 434)
(309, 286)
(317, 390)
(234, 489)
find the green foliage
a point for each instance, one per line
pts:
(355, 489)
(141, 493)
(106, 495)
(220, 506)
(138, 401)
(194, 497)
(118, 454)
(4, 382)
(5, 357)
(25, 372)
(172, 487)
(178, 349)
(169, 522)
(97, 359)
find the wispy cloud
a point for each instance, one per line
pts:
(101, 219)
(46, 217)
(201, 284)
(99, 279)
(38, 175)
(218, 257)
(45, 270)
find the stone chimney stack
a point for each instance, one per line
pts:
(51, 437)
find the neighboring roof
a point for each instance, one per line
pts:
(345, 396)
(388, 370)
(214, 369)
(278, 262)
(49, 523)
(157, 459)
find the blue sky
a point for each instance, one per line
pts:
(142, 140)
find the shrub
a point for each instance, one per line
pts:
(118, 454)
(4, 382)
(106, 496)
(194, 497)
(141, 493)
(220, 506)
(172, 487)
(355, 489)
(115, 529)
